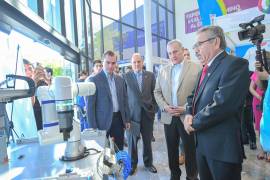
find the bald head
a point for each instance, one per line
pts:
(137, 62)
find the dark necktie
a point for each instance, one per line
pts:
(204, 72)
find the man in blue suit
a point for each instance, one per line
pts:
(108, 109)
(214, 110)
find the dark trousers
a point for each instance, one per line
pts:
(173, 132)
(248, 132)
(116, 131)
(146, 128)
(210, 169)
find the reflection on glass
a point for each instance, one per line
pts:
(88, 27)
(162, 2)
(154, 17)
(162, 22)
(141, 42)
(96, 35)
(127, 11)
(110, 8)
(52, 13)
(171, 27)
(140, 13)
(80, 24)
(163, 47)
(111, 36)
(154, 45)
(69, 20)
(128, 36)
(95, 6)
(32, 4)
(170, 4)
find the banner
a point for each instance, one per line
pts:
(214, 8)
(192, 21)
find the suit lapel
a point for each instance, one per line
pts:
(105, 80)
(210, 72)
(183, 73)
(134, 81)
(117, 86)
(144, 80)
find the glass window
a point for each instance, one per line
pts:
(128, 36)
(162, 22)
(141, 42)
(80, 25)
(170, 4)
(32, 4)
(127, 11)
(163, 48)
(170, 26)
(69, 19)
(111, 35)
(140, 13)
(154, 45)
(110, 8)
(162, 2)
(95, 6)
(96, 35)
(88, 27)
(154, 18)
(52, 13)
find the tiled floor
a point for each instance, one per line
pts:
(252, 168)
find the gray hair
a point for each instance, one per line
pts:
(215, 31)
(175, 41)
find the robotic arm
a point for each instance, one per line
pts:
(58, 114)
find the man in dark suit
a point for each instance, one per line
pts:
(142, 105)
(108, 109)
(213, 111)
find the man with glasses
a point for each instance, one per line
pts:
(175, 83)
(214, 108)
(108, 109)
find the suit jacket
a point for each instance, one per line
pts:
(163, 89)
(138, 100)
(218, 107)
(99, 106)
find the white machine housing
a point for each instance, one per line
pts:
(59, 122)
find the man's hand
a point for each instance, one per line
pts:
(187, 123)
(127, 126)
(175, 110)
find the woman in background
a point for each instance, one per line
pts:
(40, 79)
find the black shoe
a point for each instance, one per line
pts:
(151, 169)
(153, 139)
(252, 145)
(133, 170)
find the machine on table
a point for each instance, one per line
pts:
(62, 131)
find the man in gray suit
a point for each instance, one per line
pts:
(142, 105)
(107, 109)
(175, 82)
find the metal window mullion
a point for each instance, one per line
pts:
(75, 22)
(91, 29)
(135, 24)
(62, 17)
(101, 25)
(121, 48)
(40, 8)
(85, 35)
(158, 31)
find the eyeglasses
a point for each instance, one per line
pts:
(198, 44)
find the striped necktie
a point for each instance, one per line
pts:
(139, 80)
